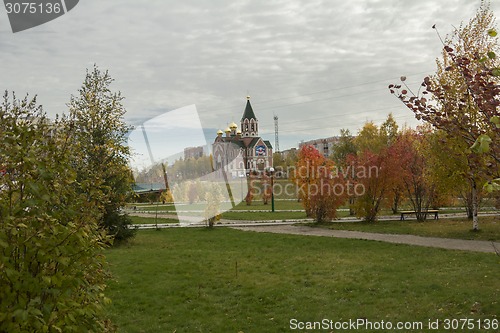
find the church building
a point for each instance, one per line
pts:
(242, 149)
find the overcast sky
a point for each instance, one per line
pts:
(318, 65)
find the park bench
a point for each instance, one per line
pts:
(409, 212)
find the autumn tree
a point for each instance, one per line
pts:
(464, 97)
(291, 159)
(342, 151)
(190, 168)
(266, 188)
(304, 176)
(327, 196)
(167, 196)
(389, 131)
(369, 138)
(397, 152)
(374, 138)
(367, 203)
(376, 168)
(420, 189)
(213, 197)
(450, 170)
(279, 163)
(192, 192)
(344, 147)
(320, 191)
(99, 134)
(53, 272)
(251, 189)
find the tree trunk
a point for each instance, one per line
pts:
(395, 202)
(475, 207)
(468, 202)
(419, 198)
(352, 212)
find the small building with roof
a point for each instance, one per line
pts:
(242, 149)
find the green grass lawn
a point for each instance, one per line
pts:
(152, 220)
(256, 205)
(263, 215)
(224, 280)
(460, 228)
(278, 204)
(154, 207)
(269, 215)
(230, 215)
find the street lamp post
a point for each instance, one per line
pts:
(271, 170)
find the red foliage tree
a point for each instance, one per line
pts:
(320, 191)
(413, 171)
(372, 176)
(251, 190)
(267, 189)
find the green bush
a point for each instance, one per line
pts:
(52, 272)
(118, 225)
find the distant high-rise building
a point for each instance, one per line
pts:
(324, 146)
(193, 152)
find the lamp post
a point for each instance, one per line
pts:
(271, 170)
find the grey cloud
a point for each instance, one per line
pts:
(167, 54)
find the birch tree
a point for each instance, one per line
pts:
(462, 98)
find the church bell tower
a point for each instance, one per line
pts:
(249, 123)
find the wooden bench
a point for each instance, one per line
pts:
(409, 212)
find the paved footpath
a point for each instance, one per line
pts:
(443, 243)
